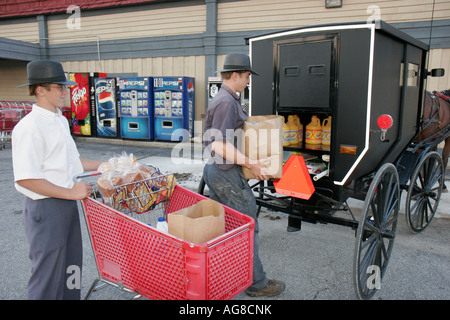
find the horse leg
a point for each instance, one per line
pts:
(445, 153)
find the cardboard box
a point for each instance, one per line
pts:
(199, 223)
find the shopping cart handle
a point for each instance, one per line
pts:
(86, 174)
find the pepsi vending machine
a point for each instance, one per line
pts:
(136, 107)
(106, 107)
(174, 103)
(214, 85)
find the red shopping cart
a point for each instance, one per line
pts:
(133, 256)
(11, 112)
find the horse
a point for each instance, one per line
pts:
(436, 122)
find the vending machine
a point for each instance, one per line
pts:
(106, 107)
(214, 85)
(136, 107)
(82, 111)
(174, 107)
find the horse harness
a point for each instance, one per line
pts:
(435, 109)
(434, 112)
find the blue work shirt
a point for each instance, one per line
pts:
(224, 121)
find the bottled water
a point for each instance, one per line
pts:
(161, 225)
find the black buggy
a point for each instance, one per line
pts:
(370, 78)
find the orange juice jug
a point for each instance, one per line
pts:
(286, 133)
(293, 128)
(326, 131)
(300, 128)
(313, 133)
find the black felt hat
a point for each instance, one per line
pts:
(237, 62)
(46, 71)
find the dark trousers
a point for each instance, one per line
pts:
(53, 231)
(231, 189)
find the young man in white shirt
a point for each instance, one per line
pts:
(45, 162)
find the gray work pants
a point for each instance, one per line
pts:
(231, 189)
(53, 231)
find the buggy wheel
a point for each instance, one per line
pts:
(424, 192)
(376, 232)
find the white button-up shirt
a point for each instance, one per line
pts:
(42, 148)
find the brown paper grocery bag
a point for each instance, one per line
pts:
(262, 139)
(199, 223)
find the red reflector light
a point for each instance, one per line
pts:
(385, 121)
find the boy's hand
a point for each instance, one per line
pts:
(260, 171)
(81, 190)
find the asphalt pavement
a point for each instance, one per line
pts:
(315, 263)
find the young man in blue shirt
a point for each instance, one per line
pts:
(224, 119)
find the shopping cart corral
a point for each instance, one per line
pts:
(134, 256)
(8, 119)
(11, 112)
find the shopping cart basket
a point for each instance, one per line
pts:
(136, 257)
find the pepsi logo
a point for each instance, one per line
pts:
(190, 89)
